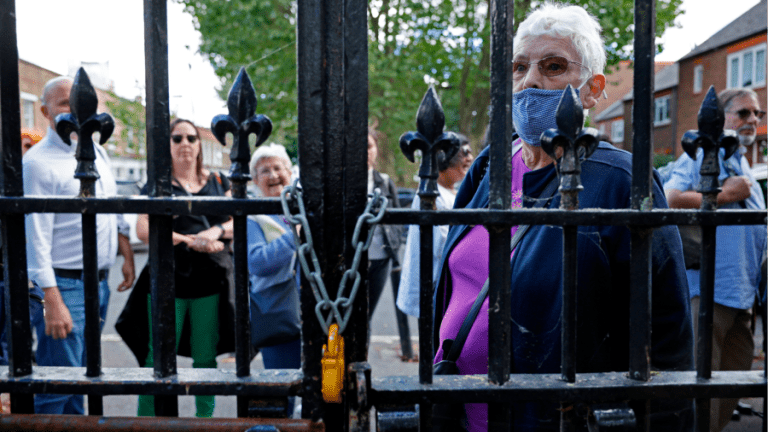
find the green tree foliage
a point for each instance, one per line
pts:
(129, 114)
(412, 44)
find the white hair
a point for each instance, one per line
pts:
(269, 151)
(52, 84)
(573, 22)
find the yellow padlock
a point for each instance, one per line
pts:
(333, 366)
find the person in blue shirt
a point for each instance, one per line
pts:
(740, 249)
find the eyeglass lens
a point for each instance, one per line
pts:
(744, 114)
(178, 138)
(549, 67)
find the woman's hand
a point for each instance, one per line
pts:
(202, 242)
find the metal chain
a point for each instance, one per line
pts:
(328, 310)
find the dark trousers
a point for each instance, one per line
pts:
(378, 272)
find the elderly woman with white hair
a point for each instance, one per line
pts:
(555, 46)
(273, 267)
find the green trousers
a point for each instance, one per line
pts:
(204, 335)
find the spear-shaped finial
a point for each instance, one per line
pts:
(241, 122)
(710, 137)
(83, 120)
(576, 143)
(432, 142)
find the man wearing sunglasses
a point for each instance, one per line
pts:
(740, 249)
(55, 247)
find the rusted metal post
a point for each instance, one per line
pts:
(84, 121)
(241, 122)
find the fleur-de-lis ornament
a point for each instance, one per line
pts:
(241, 122)
(432, 142)
(83, 120)
(711, 138)
(576, 143)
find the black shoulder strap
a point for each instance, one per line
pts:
(469, 321)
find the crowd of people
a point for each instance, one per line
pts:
(555, 46)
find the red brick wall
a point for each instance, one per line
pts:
(715, 73)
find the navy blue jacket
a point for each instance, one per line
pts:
(603, 286)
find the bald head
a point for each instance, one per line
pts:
(56, 99)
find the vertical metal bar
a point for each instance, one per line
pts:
(570, 264)
(706, 312)
(764, 320)
(499, 271)
(321, 83)
(92, 303)
(642, 149)
(500, 196)
(161, 261)
(355, 171)
(242, 299)
(426, 312)
(309, 35)
(14, 258)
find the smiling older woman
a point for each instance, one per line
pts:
(556, 46)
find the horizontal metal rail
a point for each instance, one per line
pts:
(603, 387)
(229, 206)
(188, 381)
(52, 423)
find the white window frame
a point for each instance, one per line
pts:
(740, 57)
(617, 131)
(698, 78)
(28, 109)
(666, 120)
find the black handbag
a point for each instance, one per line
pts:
(453, 417)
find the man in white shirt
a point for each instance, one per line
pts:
(55, 249)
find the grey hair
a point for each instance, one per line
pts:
(727, 96)
(52, 84)
(269, 151)
(573, 22)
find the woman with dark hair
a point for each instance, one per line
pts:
(386, 238)
(202, 259)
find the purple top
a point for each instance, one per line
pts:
(468, 270)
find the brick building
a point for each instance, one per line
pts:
(128, 161)
(732, 57)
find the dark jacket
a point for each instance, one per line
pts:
(393, 233)
(603, 287)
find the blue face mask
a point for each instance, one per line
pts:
(533, 112)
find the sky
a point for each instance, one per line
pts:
(111, 32)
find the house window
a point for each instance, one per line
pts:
(602, 129)
(661, 111)
(698, 78)
(28, 114)
(746, 68)
(617, 131)
(28, 110)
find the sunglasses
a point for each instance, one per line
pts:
(745, 113)
(549, 66)
(178, 138)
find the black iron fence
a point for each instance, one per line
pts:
(333, 116)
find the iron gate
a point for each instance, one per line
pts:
(332, 113)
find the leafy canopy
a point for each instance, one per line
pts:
(412, 44)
